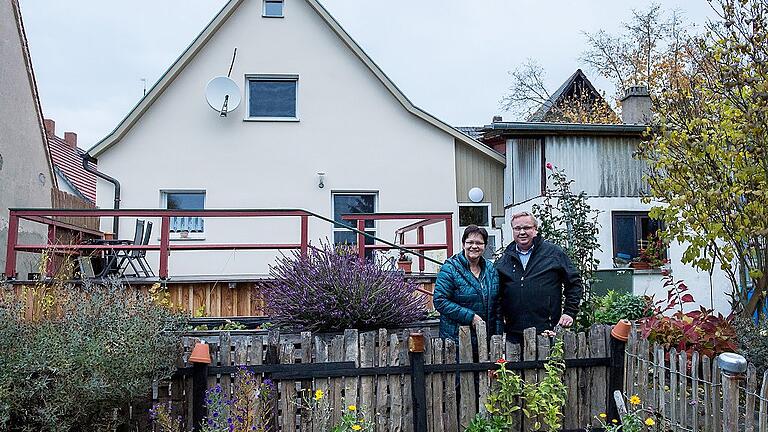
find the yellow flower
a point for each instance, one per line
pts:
(614, 421)
(634, 400)
(603, 415)
(352, 408)
(318, 394)
(356, 427)
(649, 421)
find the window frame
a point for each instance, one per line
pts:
(294, 78)
(481, 204)
(264, 9)
(638, 216)
(190, 235)
(371, 230)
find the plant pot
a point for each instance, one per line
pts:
(621, 330)
(404, 265)
(640, 265)
(184, 234)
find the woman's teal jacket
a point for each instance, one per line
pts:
(459, 295)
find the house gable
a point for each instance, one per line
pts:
(576, 89)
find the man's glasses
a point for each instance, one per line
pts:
(474, 243)
(523, 228)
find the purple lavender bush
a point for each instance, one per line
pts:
(332, 289)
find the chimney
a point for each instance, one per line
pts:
(50, 127)
(636, 106)
(496, 119)
(71, 139)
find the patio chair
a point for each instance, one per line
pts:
(136, 258)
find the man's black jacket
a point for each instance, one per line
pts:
(534, 297)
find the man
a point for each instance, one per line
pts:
(534, 278)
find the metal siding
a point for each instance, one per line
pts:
(526, 168)
(475, 169)
(600, 166)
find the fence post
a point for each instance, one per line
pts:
(272, 357)
(619, 336)
(418, 389)
(732, 368)
(200, 359)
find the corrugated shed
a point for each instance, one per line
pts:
(474, 169)
(68, 161)
(525, 157)
(601, 166)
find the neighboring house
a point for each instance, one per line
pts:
(313, 102)
(67, 159)
(575, 99)
(599, 159)
(26, 176)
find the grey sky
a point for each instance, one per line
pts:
(450, 57)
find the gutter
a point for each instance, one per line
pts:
(88, 158)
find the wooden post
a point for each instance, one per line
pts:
(418, 388)
(616, 377)
(199, 387)
(732, 368)
(273, 357)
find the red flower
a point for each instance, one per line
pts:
(501, 361)
(549, 166)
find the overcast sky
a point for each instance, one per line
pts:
(450, 57)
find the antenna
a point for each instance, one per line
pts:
(222, 94)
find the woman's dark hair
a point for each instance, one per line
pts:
(474, 229)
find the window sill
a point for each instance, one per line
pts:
(273, 16)
(272, 119)
(190, 237)
(652, 271)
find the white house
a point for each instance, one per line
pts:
(313, 102)
(599, 158)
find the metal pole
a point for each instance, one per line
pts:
(732, 368)
(418, 387)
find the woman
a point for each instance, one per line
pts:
(466, 291)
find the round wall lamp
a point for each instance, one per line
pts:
(475, 194)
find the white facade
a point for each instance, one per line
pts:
(349, 125)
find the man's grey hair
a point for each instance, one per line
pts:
(522, 214)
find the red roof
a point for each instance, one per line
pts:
(68, 161)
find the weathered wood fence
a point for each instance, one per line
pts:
(372, 370)
(692, 393)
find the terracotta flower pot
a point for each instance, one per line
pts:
(200, 353)
(404, 265)
(621, 330)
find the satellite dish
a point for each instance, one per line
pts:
(222, 94)
(475, 194)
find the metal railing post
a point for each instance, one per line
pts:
(449, 236)
(13, 237)
(304, 234)
(420, 241)
(361, 238)
(165, 237)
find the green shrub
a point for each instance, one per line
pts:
(96, 349)
(612, 307)
(753, 342)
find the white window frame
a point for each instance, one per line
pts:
(270, 77)
(177, 235)
(264, 9)
(375, 194)
(490, 215)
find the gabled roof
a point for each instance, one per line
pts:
(565, 90)
(188, 55)
(68, 162)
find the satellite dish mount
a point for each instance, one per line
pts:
(222, 93)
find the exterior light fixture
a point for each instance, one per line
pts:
(475, 194)
(321, 179)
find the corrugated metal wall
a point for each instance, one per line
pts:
(601, 166)
(474, 169)
(524, 156)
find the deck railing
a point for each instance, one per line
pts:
(165, 246)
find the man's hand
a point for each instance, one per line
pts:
(476, 320)
(565, 321)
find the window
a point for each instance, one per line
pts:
(272, 97)
(475, 214)
(631, 231)
(346, 203)
(273, 8)
(185, 200)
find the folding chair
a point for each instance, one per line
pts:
(135, 257)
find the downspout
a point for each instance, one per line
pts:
(88, 158)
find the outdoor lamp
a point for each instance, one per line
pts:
(321, 178)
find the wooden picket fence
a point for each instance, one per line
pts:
(688, 390)
(379, 384)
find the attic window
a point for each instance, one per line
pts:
(273, 8)
(272, 97)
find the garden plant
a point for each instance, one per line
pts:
(636, 419)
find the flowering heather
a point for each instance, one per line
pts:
(331, 289)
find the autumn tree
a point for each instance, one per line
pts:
(708, 153)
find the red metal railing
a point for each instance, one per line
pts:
(165, 246)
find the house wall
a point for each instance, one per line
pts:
(350, 127)
(523, 173)
(473, 169)
(25, 176)
(709, 293)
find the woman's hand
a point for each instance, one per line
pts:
(476, 320)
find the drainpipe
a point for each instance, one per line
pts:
(88, 158)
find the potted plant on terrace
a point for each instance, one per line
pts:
(404, 262)
(652, 255)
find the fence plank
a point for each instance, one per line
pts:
(287, 391)
(751, 392)
(451, 404)
(695, 404)
(630, 379)
(437, 387)
(642, 370)
(407, 393)
(395, 386)
(514, 353)
(570, 411)
(763, 417)
(673, 388)
(320, 418)
(428, 381)
(706, 376)
(482, 378)
(467, 402)
(530, 376)
(336, 354)
(682, 412)
(585, 414)
(717, 400)
(382, 398)
(598, 392)
(367, 356)
(351, 353)
(306, 385)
